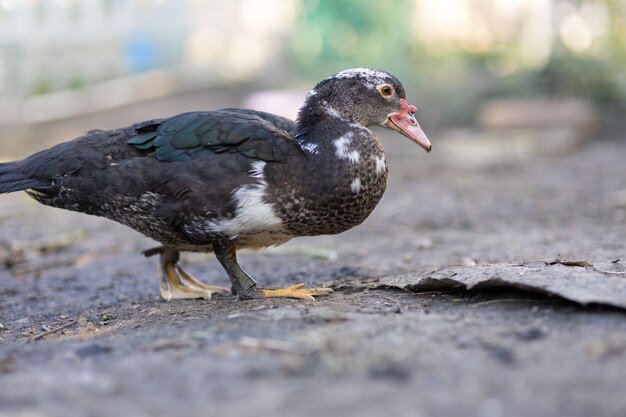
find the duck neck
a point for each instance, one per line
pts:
(335, 144)
(317, 120)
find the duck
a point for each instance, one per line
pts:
(223, 180)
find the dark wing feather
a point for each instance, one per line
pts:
(187, 136)
(279, 122)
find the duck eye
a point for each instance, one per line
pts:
(386, 90)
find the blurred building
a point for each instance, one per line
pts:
(65, 45)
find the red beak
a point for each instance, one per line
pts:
(404, 122)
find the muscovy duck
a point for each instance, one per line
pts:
(216, 181)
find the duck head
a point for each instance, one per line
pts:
(370, 98)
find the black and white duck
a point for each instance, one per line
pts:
(217, 181)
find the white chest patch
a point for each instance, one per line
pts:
(253, 214)
(354, 157)
(342, 148)
(381, 165)
(355, 186)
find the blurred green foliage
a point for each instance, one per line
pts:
(42, 86)
(331, 35)
(452, 82)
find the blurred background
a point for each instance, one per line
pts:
(514, 68)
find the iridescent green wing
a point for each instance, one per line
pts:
(194, 135)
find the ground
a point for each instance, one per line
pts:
(366, 350)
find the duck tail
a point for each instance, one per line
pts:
(13, 179)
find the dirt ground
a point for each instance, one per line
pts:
(84, 332)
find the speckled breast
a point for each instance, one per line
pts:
(337, 196)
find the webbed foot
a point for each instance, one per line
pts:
(176, 283)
